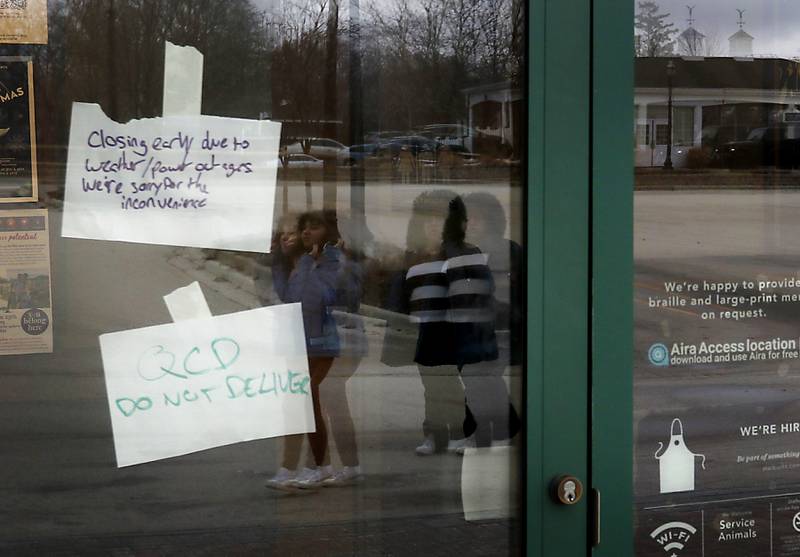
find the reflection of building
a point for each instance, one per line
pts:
(493, 111)
(716, 100)
(740, 44)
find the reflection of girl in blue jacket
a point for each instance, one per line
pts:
(308, 268)
(311, 277)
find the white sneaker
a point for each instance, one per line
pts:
(282, 480)
(469, 443)
(427, 448)
(455, 444)
(346, 476)
(311, 478)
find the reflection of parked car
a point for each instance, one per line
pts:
(447, 134)
(467, 157)
(414, 143)
(357, 153)
(294, 160)
(777, 145)
(319, 147)
(743, 153)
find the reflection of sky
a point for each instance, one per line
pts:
(775, 24)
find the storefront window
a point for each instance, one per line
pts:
(716, 283)
(261, 276)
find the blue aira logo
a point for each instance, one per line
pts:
(658, 355)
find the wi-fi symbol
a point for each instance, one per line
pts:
(673, 535)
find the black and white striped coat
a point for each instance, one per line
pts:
(452, 299)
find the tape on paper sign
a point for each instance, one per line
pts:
(183, 80)
(184, 387)
(187, 303)
(196, 181)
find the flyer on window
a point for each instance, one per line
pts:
(23, 21)
(18, 176)
(26, 314)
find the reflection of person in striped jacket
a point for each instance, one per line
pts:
(421, 292)
(472, 315)
(451, 296)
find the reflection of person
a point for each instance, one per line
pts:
(486, 229)
(498, 309)
(407, 165)
(352, 348)
(421, 292)
(307, 269)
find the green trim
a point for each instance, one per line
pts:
(612, 257)
(535, 231)
(558, 280)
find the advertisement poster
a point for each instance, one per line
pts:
(26, 314)
(23, 21)
(18, 179)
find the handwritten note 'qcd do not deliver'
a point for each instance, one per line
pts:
(182, 387)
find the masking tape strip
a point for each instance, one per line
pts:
(187, 303)
(183, 80)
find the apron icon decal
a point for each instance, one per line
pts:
(676, 463)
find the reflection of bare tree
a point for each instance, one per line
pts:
(112, 52)
(300, 62)
(427, 51)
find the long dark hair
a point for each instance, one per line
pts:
(326, 218)
(455, 224)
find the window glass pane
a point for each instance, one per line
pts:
(345, 184)
(716, 361)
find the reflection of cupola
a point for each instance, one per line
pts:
(741, 43)
(691, 40)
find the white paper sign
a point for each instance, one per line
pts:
(183, 387)
(197, 181)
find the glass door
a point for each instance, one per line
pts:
(294, 277)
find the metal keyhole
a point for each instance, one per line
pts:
(569, 491)
(566, 490)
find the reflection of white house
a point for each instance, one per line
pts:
(495, 116)
(715, 100)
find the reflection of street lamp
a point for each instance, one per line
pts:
(670, 75)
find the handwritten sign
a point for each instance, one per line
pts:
(183, 387)
(197, 181)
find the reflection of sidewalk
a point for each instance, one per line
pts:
(444, 536)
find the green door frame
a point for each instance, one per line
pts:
(558, 271)
(612, 273)
(579, 237)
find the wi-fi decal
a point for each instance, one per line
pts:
(673, 536)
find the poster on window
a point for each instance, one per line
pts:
(23, 21)
(18, 177)
(26, 314)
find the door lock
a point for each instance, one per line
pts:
(566, 490)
